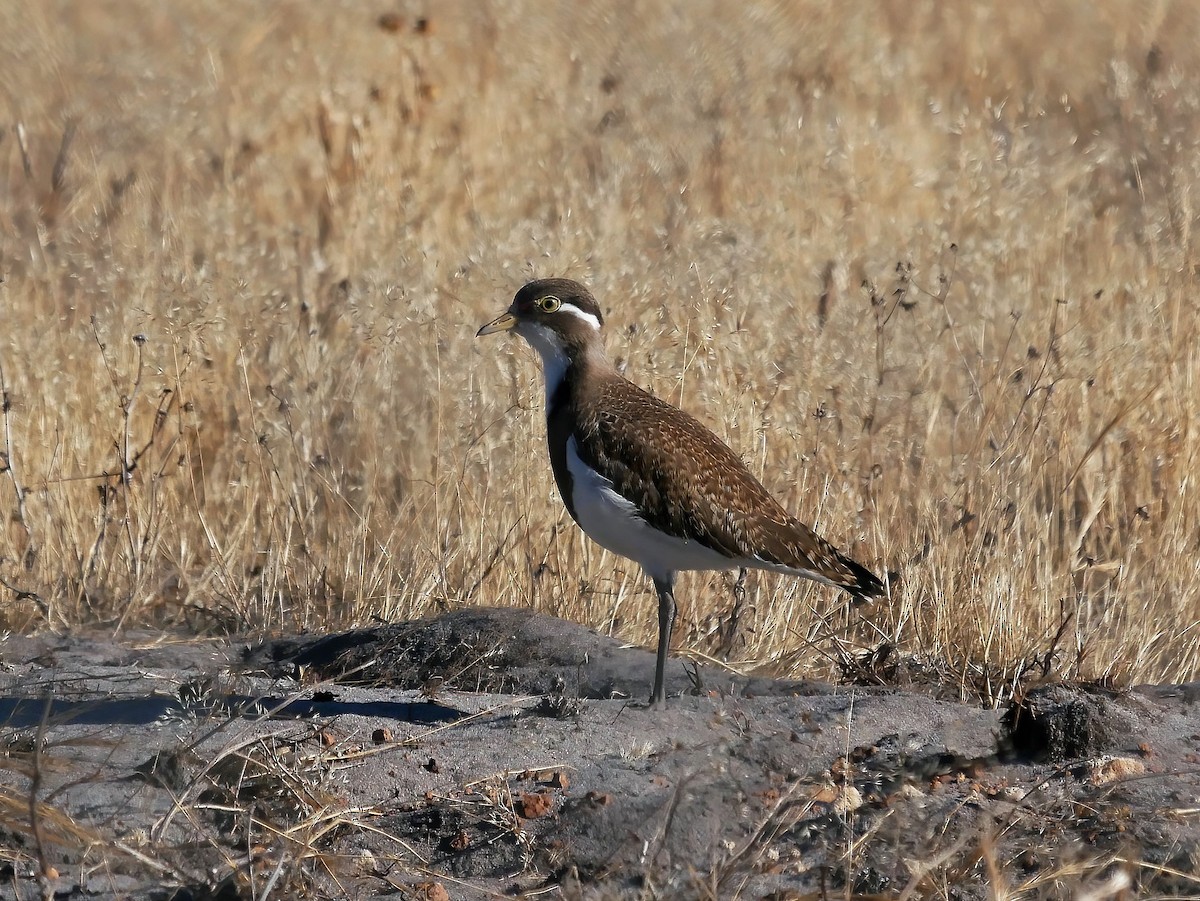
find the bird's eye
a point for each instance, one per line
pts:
(549, 303)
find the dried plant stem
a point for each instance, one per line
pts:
(10, 468)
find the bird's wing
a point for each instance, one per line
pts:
(686, 482)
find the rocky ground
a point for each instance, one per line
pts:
(498, 753)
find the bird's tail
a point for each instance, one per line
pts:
(866, 584)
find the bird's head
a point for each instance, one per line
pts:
(558, 317)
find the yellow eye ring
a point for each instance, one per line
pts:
(549, 304)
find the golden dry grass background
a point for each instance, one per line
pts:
(929, 267)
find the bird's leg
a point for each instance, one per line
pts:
(729, 631)
(666, 621)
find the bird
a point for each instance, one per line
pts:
(646, 480)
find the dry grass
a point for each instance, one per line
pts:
(245, 249)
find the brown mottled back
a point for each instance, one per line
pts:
(705, 494)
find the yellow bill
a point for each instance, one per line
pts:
(501, 323)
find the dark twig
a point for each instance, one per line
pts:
(35, 820)
(8, 465)
(23, 594)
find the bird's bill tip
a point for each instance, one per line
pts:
(502, 323)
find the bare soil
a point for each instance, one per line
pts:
(492, 752)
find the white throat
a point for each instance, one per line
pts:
(554, 356)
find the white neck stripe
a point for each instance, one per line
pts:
(589, 318)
